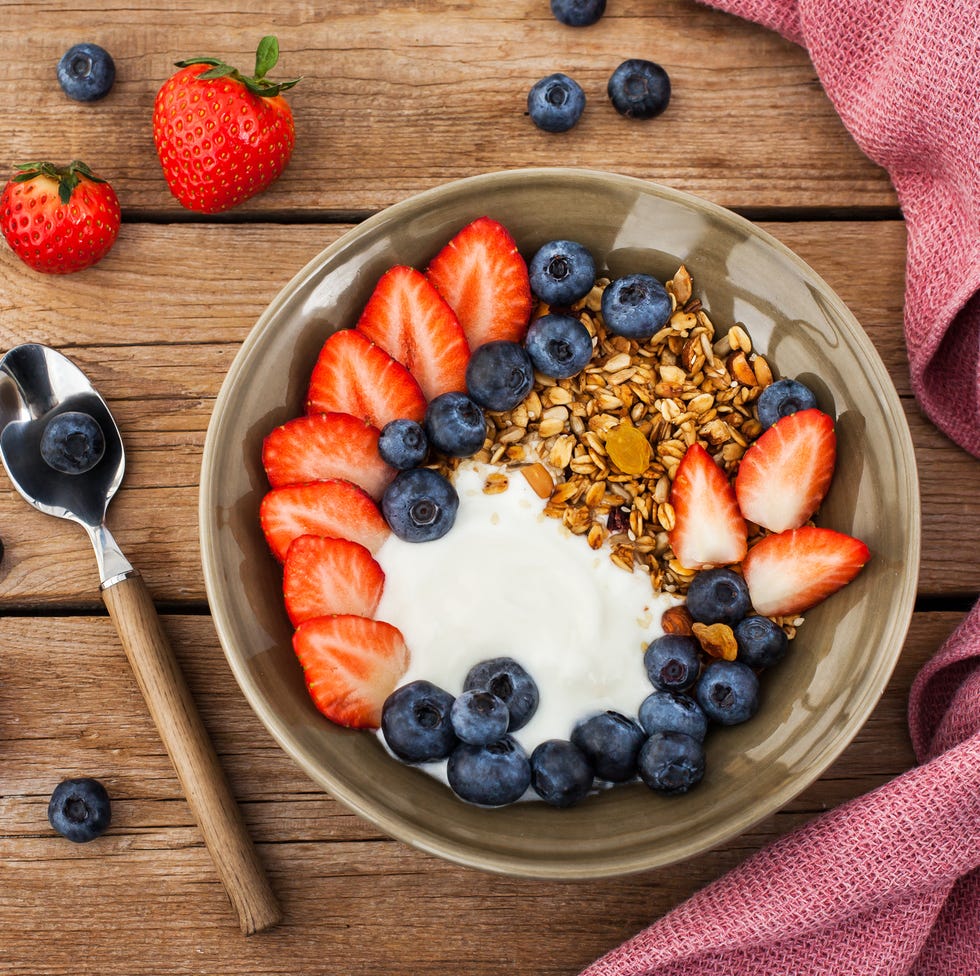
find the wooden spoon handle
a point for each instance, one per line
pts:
(192, 753)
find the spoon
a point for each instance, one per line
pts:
(67, 466)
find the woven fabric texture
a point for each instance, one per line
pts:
(904, 76)
(889, 883)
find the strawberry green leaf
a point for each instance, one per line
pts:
(187, 62)
(219, 71)
(266, 55)
(67, 177)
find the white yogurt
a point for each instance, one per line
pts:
(507, 581)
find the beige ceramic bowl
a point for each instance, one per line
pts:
(813, 702)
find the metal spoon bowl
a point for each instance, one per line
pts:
(38, 384)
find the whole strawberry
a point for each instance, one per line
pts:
(59, 219)
(222, 137)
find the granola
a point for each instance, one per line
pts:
(610, 438)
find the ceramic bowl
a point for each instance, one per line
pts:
(813, 702)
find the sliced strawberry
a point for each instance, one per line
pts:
(791, 571)
(351, 664)
(482, 275)
(785, 474)
(333, 508)
(322, 446)
(708, 528)
(323, 576)
(354, 376)
(411, 321)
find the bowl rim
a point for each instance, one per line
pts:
(461, 853)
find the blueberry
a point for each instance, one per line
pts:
(560, 773)
(611, 743)
(490, 775)
(555, 103)
(667, 711)
(86, 72)
(761, 642)
(505, 678)
(636, 306)
(416, 722)
(479, 717)
(561, 272)
(455, 424)
(718, 596)
(72, 442)
(499, 375)
(559, 345)
(728, 692)
(639, 89)
(79, 809)
(420, 505)
(578, 13)
(403, 444)
(782, 398)
(671, 762)
(673, 662)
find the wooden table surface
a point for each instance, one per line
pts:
(396, 98)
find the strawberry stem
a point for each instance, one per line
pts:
(67, 177)
(266, 57)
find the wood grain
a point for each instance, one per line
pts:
(397, 98)
(354, 901)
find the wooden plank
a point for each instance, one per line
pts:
(156, 327)
(355, 901)
(749, 125)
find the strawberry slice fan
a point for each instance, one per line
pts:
(888, 883)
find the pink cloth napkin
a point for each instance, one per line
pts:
(889, 883)
(886, 884)
(904, 75)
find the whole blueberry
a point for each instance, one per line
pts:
(561, 272)
(673, 662)
(560, 773)
(578, 13)
(782, 398)
(416, 722)
(728, 692)
(667, 711)
(559, 345)
(555, 103)
(611, 742)
(671, 762)
(420, 505)
(455, 424)
(490, 775)
(479, 717)
(636, 306)
(403, 444)
(718, 596)
(499, 375)
(86, 72)
(79, 809)
(639, 89)
(72, 442)
(761, 642)
(505, 678)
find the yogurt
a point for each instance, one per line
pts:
(507, 581)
